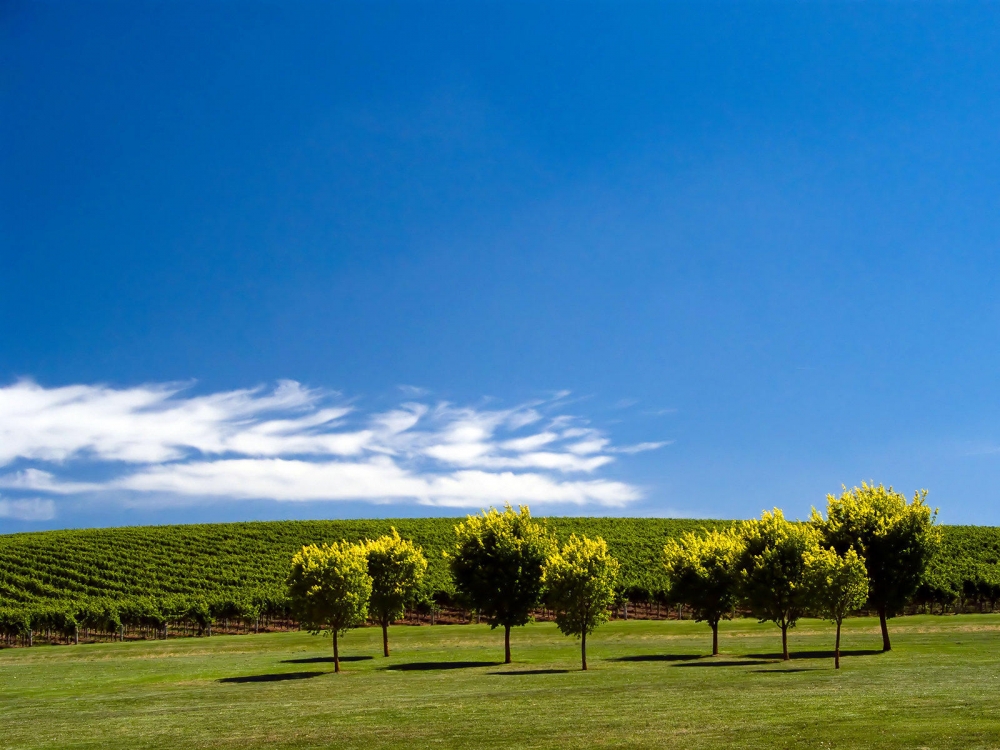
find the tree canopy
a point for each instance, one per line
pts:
(329, 588)
(702, 572)
(772, 569)
(397, 567)
(497, 565)
(580, 582)
(838, 585)
(895, 538)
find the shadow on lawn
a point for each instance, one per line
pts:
(820, 654)
(784, 671)
(534, 671)
(418, 666)
(324, 659)
(660, 657)
(727, 663)
(280, 677)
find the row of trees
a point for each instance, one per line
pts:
(871, 549)
(333, 587)
(504, 566)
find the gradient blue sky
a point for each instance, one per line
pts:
(764, 234)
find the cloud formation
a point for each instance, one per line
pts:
(30, 509)
(292, 443)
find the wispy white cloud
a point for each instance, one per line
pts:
(29, 509)
(292, 443)
(641, 447)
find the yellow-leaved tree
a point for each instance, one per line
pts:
(896, 539)
(497, 565)
(838, 585)
(703, 573)
(397, 568)
(580, 582)
(772, 569)
(329, 588)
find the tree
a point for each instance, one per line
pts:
(702, 572)
(580, 584)
(895, 538)
(837, 586)
(329, 588)
(497, 566)
(772, 569)
(397, 568)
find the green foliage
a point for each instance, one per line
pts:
(209, 561)
(896, 539)
(329, 588)
(497, 565)
(580, 581)
(772, 569)
(702, 572)
(838, 584)
(230, 566)
(397, 567)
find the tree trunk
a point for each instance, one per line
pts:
(836, 648)
(336, 652)
(76, 635)
(784, 642)
(506, 644)
(886, 646)
(385, 637)
(715, 638)
(583, 649)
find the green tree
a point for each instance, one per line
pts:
(497, 566)
(703, 573)
(772, 570)
(837, 586)
(329, 588)
(397, 568)
(580, 582)
(895, 538)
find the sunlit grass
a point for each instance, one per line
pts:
(649, 686)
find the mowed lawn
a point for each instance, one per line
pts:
(649, 686)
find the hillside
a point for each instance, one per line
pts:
(206, 560)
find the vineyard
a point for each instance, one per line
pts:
(137, 581)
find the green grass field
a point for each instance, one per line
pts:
(648, 686)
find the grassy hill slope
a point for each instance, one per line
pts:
(210, 559)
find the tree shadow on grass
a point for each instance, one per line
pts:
(280, 677)
(660, 657)
(533, 671)
(324, 659)
(784, 671)
(727, 663)
(419, 666)
(820, 654)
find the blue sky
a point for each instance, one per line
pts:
(322, 260)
